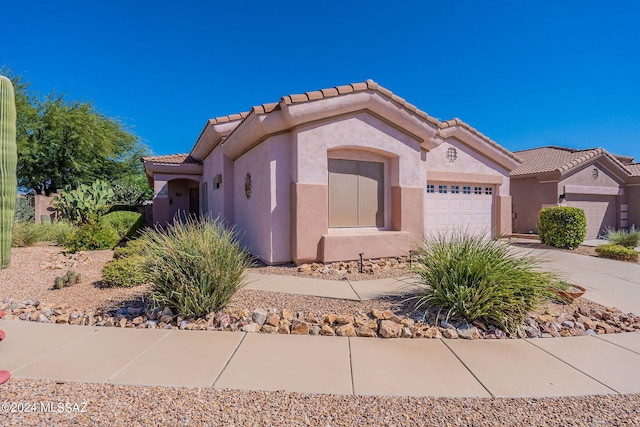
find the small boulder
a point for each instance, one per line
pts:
(389, 329)
(346, 330)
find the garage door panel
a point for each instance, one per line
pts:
(600, 211)
(449, 212)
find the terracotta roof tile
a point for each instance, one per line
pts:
(229, 118)
(634, 168)
(549, 159)
(172, 159)
(316, 94)
(332, 91)
(358, 87)
(344, 89)
(457, 122)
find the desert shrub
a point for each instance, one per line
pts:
(126, 224)
(25, 233)
(133, 247)
(617, 252)
(196, 266)
(57, 232)
(25, 211)
(473, 278)
(125, 193)
(562, 226)
(125, 272)
(627, 238)
(28, 233)
(90, 237)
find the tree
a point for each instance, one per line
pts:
(63, 142)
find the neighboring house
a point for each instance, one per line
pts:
(605, 185)
(330, 174)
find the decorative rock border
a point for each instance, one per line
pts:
(377, 323)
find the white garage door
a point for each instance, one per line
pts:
(459, 206)
(600, 211)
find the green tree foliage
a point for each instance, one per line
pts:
(68, 143)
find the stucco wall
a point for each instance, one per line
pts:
(633, 205)
(584, 177)
(528, 196)
(263, 220)
(360, 137)
(220, 200)
(360, 131)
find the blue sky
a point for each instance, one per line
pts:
(523, 73)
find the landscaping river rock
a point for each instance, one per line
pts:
(578, 320)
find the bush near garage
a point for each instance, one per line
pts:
(562, 226)
(617, 252)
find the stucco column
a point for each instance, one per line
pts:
(309, 221)
(503, 216)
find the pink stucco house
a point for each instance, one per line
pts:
(329, 174)
(606, 186)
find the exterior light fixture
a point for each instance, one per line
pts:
(361, 262)
(594, 173)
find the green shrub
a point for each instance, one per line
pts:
(196, 266)
(562, 226)
(129, 193)
(133, 247)
(627, 238)
(125, 272)
(473, 278)
(617, 252)
(126, 224)
(89, 237)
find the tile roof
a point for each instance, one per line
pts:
(550, 159)
(634, 168)
(359, 87)
(457, 122)
(172, 159)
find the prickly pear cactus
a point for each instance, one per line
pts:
(8, 161)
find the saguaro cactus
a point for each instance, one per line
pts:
(8, 161)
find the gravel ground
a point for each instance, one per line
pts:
(28, 278)
(144, 406)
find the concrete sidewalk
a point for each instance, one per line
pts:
(541, 367)
(316, 364)
(358, 290)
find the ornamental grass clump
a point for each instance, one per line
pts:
(472, 278)
(627, 238)
(196, 266)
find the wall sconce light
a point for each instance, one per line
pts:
(594, 173)
(452, 154)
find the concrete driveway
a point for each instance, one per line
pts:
(609, 282)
